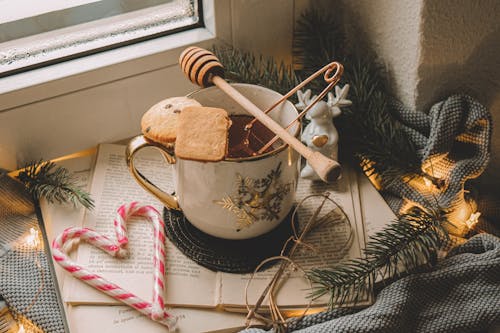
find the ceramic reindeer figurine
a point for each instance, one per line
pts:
(320, 134)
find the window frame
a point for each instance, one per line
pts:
(99, 68)
(74, 105)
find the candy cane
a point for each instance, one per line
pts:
(155, 309)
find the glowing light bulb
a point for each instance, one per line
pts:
(473, 220)
(32, 239)
(428, 183)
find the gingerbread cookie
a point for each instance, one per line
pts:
(159, 123)
(202, 134)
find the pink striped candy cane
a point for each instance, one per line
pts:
(155, 309)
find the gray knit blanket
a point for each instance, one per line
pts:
(26, 282)
(453, 142)
(460, 294)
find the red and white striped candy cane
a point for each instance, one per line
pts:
(155, 309)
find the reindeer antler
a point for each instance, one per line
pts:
(340, 99)
(304, 99)
(331, 100)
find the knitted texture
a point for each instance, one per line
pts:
(26, 282)
(453, 142)
(460, 294)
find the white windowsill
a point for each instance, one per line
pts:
(73, 105)
(70, 75)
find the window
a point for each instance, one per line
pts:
(35, 33)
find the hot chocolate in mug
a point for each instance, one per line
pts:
(238, 197)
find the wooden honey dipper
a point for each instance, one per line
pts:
(204, 69)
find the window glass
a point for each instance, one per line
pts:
(35, 33)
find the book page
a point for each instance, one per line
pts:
(325, 246)
(376, 213)
(121, 319)
(112, 185)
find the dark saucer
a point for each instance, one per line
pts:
(217, 254)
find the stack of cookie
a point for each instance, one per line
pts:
(199, 133)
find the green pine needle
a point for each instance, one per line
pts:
(54, 183)
(241, 66)
(369, 129)
(402, 246)
(318, 40)
(369, 133)
(375, 137)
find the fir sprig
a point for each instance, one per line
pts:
(370, 131)
(54, 183)
(241, 66)
(401, 246)
(317, 41)
(376, 138)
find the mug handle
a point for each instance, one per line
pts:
(133, 147)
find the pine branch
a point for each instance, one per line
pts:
(54, 183)
(318, 40)
(403, 245)
(368, 130)
(241, 66)
(378, 142)
(371, 134)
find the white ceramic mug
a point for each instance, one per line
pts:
(236, 198)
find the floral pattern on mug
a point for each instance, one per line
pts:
(256, 199)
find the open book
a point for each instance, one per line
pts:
(188, 284)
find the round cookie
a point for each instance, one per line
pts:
(159, 123)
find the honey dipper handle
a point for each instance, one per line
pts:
(327, 169)
(203, 68)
